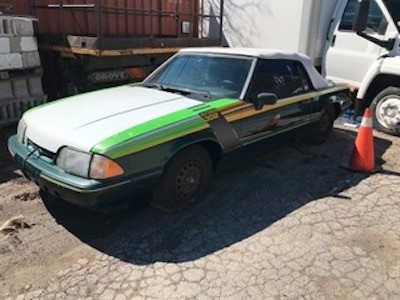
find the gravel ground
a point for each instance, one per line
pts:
(290, 225)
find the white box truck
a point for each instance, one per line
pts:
(352, 41)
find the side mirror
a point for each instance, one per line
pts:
(265, 99)
(361, 18)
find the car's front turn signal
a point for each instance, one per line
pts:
(102, 167)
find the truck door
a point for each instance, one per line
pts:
(350, 56)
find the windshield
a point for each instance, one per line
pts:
(201, 76)
(394, 9)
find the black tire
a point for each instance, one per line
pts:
(376, 105)
(185, 180)
(320, 131)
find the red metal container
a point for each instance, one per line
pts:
(19, 7)
(122, 18)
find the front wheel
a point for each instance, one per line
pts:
(185, 179)
(320, 131)
(386, 109)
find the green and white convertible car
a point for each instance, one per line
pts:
(200, 110)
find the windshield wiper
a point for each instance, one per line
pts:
(182, 91)
(176, 90)
(187, 92)
(166, 88)
(153, 86)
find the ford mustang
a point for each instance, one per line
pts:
(171, 132)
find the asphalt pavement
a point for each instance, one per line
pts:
(292, 224)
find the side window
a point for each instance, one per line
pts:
(348, 16)
(283, 78)
(301, 82)
(377, 22)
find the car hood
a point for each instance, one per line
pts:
(85, 120)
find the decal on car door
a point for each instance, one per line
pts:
(222, 129)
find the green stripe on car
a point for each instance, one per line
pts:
(147, 135)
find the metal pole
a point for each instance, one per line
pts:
(32, 9)
(221, 19)
(62, 21)
(126, 19)
(151, 22)
(191, 22)
(177, 17)
(143, 21)
(201, 19)
(99, 27)
(160, 17)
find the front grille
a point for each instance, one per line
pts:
(43, 153)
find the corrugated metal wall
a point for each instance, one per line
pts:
(19, 7)
(118, 17)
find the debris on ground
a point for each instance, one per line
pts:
(27, 196)
(13, 224)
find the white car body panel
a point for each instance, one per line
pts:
(83, 122)
(388, 66)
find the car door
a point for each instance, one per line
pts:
(350, 56)
(286, 79)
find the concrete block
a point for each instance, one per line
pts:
(10, 61)
(22, 27)
(5, 45)
(28, 44)
(15, 44)
(4, 75)
(35, 86)
(30, 59)
(3, 114)
(23, 44)
(5, 26)
(6, 91)
(20, 88)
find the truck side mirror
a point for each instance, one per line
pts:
(264, 99)
(361, 18)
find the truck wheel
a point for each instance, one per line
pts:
(386, 108)
(185, 180)
(320, 131)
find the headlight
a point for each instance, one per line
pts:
(21, 130)
(87, 165)
(74, 162)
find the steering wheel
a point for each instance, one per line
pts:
(227, 84)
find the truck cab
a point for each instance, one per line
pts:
(364, 50)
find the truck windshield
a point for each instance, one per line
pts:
(394, 9)
(201, 76)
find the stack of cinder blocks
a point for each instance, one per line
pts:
(20, 69)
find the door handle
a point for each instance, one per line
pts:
(328, 33)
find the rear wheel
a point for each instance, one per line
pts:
(386, 108)
(185, 180)
(321, 130)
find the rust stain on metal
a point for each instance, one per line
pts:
(109, 53)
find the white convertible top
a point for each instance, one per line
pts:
(318, 81)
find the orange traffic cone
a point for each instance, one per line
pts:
(363, 159)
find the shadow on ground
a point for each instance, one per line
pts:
(240, 204)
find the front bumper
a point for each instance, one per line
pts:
(86, 193)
